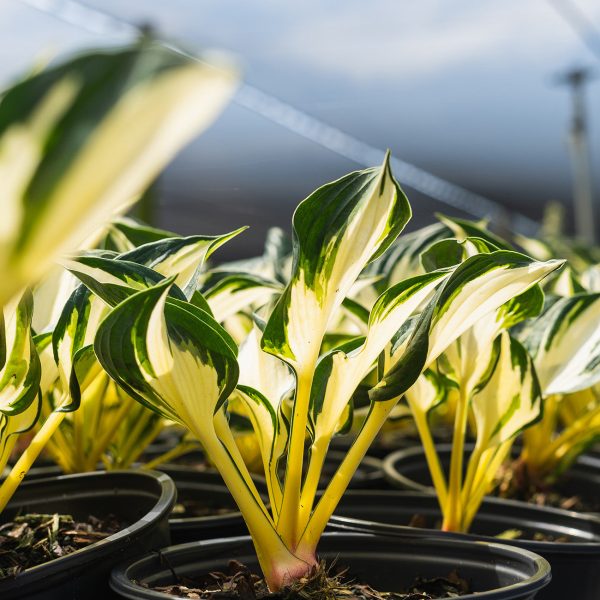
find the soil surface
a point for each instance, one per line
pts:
(323, 584)
(33, 539)
(516, 483)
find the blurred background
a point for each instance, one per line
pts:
(490, 108)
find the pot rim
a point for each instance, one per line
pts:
(394, 477)
(592, 547)
(123, 584)
(162, 507)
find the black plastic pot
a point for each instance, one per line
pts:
(575, 565)
(204, 486)
(43, 472)
(207, 488)
(387, 563)
(369, 474)
(385, 444)
(407, 469)
(141, 499)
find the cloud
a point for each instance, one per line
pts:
(383, 38)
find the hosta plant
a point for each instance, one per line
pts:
(178, 360)
(564, 342)
(78, 143)
(493, 382)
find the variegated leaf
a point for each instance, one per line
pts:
(237, 292)
(403, 260)
(183, 257)
(428, 391)
(264, 372)
(13, 425)
(564, 342)
(20, 370)
(337, 231)
(176, 359)
(341, 371)
(113, 280)
(511, 398)
(590, 278)
(81, 139)
(43, 345)
(478, 287)
(76, 329)
(463, 229)
(450, 252)
(50, 296)
(125, 234)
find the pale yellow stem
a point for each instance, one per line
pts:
(226, 437)
(277, 561)
(339, 482)
(318, 454)
(287, 523)
(483, 483)
(18, 472)
(472, 469)
(431, 455)
(108, 432)
(452, 508)
(180, 450)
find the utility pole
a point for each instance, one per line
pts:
(577, 79)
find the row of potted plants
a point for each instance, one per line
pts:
(348, 328)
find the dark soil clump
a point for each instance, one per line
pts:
(322, 584)
(34, 539)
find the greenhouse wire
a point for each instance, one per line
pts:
(296, 121)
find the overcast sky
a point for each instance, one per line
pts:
(463, 88)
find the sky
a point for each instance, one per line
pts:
(464, 89)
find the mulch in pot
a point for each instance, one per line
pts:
(322, 584)
(516, 483)
(33, 539)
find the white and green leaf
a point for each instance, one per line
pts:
(20, 369)
(338, 230)
(125, 233)
(177, 360)
(183, 257)
(13, 425)
(564, 342)
(113, 280)
(240, 292)
(477, 288)
(340, 372)
(80, 140)
(511, 399)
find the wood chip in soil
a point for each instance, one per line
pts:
(33, 539)
(240, 584)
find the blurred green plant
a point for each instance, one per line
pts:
(78, 143)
